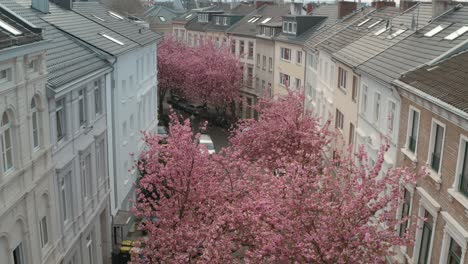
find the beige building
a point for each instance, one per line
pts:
(433, 132)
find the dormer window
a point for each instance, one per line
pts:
(202, 17)
(290, 27)
(225, 21)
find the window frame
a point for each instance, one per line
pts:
(270, 64)
(377, 107)
(453, 232)
(35, 124)
(354, 90)
(82, 117)
(98, 103)
(409, 129)
(3, 128)
(282, 78)
(392, 114)
(43, 231)
(434, 124)
(339, 119)
(283, 54)
(299, 57)
(460, 167)
(342, 77)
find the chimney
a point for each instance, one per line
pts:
(65, 4)
(439, 7)
(310, 8)
(383, 3)
(259, 3)
(345, 8)
(41, 5)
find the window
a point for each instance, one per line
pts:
(5, 75)
(270, 64)
(203, 17)
(391, 116)
(405, 212)
(434, 31)
(10, 29)
(289, 27)
(297, 83)
(249, 76)
(310, 60)
(18, 255)
(101, 159)
(263, 88)
(457, 33)
(65, 201)
(89, 247)
(189, 39)
(425, 238)
(342, 78)
(377, 98)
(43, 231)
(248, 113)
(112, 39)
(225, 21)
(436, 147)
(35, 124)
(257, 82)
(251, 50)
(241, 48)
(217, 20)
(115, 15)
(413, 127)
(455, 253)
(264, 63)
(258, 60)
(242, 75)
(98, 96)
(7, 143)
(351, 133)
(364, 99)
(339, 119)
(299, 57)
(270, 90)
(233, 46)
(86, 176)
(396, 33)
(82, 107)
(284, 79)
(462, 167)
(285, 54)
(33, 65)
(355, 86)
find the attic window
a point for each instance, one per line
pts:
(457, 33)
(10, 29)
(112, 39)
(396, 33)
(289, 27)
(115, 15)
(380, 31)
(98, 18)
(163, 19)
(374, 24)
(266, 20)
(434, 31)
(363, 22)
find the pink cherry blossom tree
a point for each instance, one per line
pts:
(203, 74)
(273, 196)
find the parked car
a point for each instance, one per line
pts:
(206, 140)
(182, 104)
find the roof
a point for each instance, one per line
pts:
(16, 31)
(153, 15)
(273, 12)
(66, 59)
(328, 10)
(339, 26)
(185, 17)
(371, 45)
(419, 49)
(316, 23)
(446, 81)
(97, 13)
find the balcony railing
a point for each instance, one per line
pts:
(435, 162)
(412, 144)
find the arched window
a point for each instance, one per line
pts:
(35, 124)
(7, 142)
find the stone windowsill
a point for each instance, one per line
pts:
(459, 197)
(409, 154)
(435, 176)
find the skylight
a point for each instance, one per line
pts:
(112, 39)
(251, 19)
(380, 31)
(374, 24)
(266, 20)
(396, 33)
(9, 28)
(434, 31)
(98, 18)
(163, 19)
(457, 33)
(189, 15)
(115, 15)
(255, 20)
(363, 22)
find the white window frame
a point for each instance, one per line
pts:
(35, 125)
(44, 231)
(90, 248)
(453, 230)
(342, 77)
(4, 128)
(428, 203)
(65, 197)
(86, 175)
(98, 102)
(297, 83)
(377, 107)
(436, 175)
(61, 109)
(299, 57)
(270, 64)
(455, 190)
(391, 118)
(283, 52)
(364, 95)
(82, 118)
(409, 128)
(339, 122)
(282, 80)
(225, 21)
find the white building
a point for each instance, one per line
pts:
(27, 193)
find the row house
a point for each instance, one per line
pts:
(433, 133)
(178, 25)
(257, 62)
(74, 103)
(160, 18)
(375, 111)
(27, 194)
